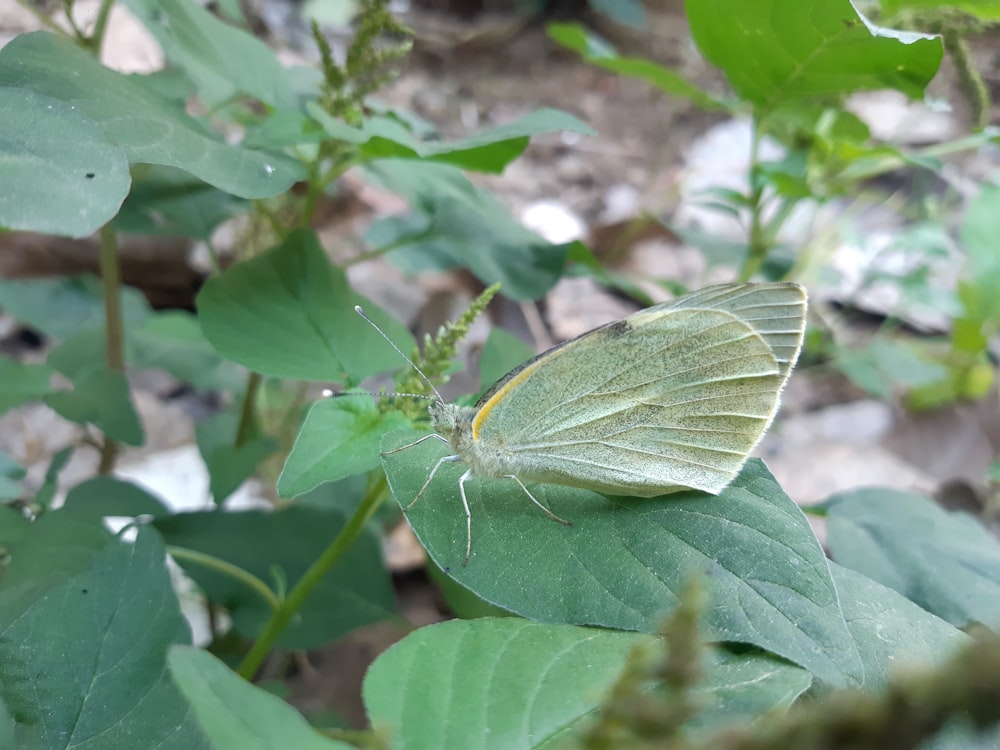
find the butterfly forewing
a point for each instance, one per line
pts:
(675, 396)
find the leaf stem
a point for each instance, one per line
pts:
(247, 427)
(757, 245)
(96, 39)
(227, 568)
(281, 616)
(114, 327)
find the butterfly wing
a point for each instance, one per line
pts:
(775, 311)
(673, 397)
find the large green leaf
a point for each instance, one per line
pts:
(223, 61)
(489, 150)
(234, 714)
(62, 307)
(509, 683)
(455, 224)
(356, 592)
(945, 562)
(625, 560)
(340, 437)
(148, 128)
(776, 50)
(20, 382)
(290, 313)
(61, 174)
(85, 623)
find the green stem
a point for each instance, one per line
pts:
(247, 427)
(973, 86)
(312, 577)
(78, 35)
(757, 246)
(114, 327)
(227, 568)
(96, 40)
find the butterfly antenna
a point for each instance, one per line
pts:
(358, 309)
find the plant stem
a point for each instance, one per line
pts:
(114, 327)
(247, 426)
(312, 577)
(976, 91)
(757, 245)
(227, 568)
(96, 39)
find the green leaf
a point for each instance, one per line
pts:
(777, 50)
(14, 527)
(11, 474)
(234, 714)
(21, 382)
(886, 364)
(456, 224)
(223, 61)
(148, 128)
(596, 52)
(510, 683)
(461, 602)
(889, 629)
(229, 465)
(625, 560)
(47, 492)
(56, 157)
(100, 396)
(501, 353)
(62, 307)
(106, 496)
(356, 592)
(489, 150)
(945, 562)
(285, 128)
(7, 728)
(982, 265)
(85, 623)
(173, 341)
(290, 313)
(170, 202)
(339, 438)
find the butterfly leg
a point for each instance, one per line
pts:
(415, 442)
(548, 512)
(468, 516)
(446, 459)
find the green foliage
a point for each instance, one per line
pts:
(608, 642)
(86, 620)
